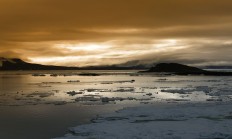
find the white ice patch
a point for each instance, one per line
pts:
(182, 121)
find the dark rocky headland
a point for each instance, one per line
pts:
(179, 69)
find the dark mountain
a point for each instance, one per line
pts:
(174, 68)
(179, 69)
(18, 64)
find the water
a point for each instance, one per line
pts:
(40, 106)
(221, 70)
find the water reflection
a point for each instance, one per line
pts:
(37, 97)
(25, 89)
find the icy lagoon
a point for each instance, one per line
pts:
(114, 104)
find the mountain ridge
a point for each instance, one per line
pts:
(18, 64)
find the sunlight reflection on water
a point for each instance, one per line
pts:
(37, 97)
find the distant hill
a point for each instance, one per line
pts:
(18, 64)
(174, 67)
(179, 69)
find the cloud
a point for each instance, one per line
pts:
(134, 29)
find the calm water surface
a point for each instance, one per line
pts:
(42, 107)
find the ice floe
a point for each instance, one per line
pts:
(73, 93)
(182, 121)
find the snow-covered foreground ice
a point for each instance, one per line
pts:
(179, 121)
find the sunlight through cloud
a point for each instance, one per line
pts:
(84, 47)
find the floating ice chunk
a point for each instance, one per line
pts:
(179, 91)
(87, 98)
(73, 81)
(204, 89)
(106, 99)
(97, 90)
(149, 94)
(73, 93)
(54, 75)
(112, 82)
(127, 89)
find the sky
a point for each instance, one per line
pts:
(107, 32)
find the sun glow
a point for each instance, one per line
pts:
(79, 60)
(170, 45)
(84, 47)
(102, 53)
(166, 43)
